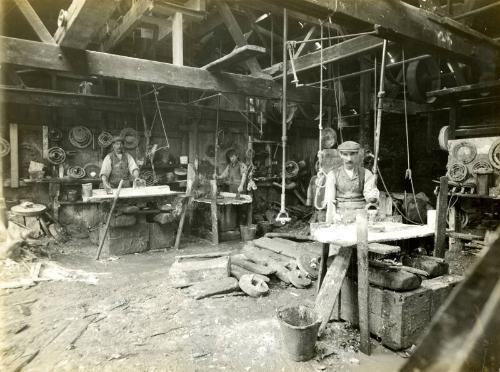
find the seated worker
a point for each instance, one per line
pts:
(118, 165)
(235, 173)
(351, 184)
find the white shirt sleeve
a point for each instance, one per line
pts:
(132, 165)
(105, 167)
(370, 190)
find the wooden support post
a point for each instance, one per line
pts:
(363, 284)
(452, 121)
(365, 103)
(34, 21)
(14, 156)
(45, 142)
(234, 29)
(325, 249)
(213, 212)
(177, 39)
(441, 211)
(185, 204)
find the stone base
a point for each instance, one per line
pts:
(162, 236)
(398, 318)
(125, 240)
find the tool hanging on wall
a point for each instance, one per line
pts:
(80, 137)
(4, 147)
(283, 216)
(76, 171)
(56, 155)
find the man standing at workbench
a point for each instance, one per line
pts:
(118, 165)
(235, 173)
(350, 186)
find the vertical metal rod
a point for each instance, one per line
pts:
(321, 90)
(283, 108)
(378, 124)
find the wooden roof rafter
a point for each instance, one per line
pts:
(80, 23)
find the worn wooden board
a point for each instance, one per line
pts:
(227, 198)
(383, 249)
(238, 272)
(432, 267)
(129, 192)
(186, 272)
(213, 287)
(331, 285)
(239, 54)
(345, 235)
(263, 269)
(273, 260)
(288, 248)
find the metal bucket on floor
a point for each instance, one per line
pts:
(299, 329)
(248, 232)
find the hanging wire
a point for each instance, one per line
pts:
(393, 203)
(408, 174)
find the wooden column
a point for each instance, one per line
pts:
(14, 156)
(177, 39)
(365, 104)
(213, 211)
(363, 284)
(441, 210)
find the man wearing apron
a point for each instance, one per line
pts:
(350, 186)
(235, 173)
(118, 165)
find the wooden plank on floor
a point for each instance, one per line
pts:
(238, 55)
(328, 294)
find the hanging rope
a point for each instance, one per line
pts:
(408, 174)
(167, 145)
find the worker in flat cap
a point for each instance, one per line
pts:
(118, 165)
(350, 186)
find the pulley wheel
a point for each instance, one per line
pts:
(423, 76)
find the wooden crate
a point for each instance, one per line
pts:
(398, 318)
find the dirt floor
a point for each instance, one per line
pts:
(132, 319)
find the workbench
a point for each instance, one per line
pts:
(133, 238)
(225, 201)
(345, 236)
(100, 195)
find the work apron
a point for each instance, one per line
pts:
(119, 171)
(234, 177)
(349, 193)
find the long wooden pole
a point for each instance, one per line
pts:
(106, 228)
(380, 96)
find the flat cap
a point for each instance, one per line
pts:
(349, 146)
(118, 139)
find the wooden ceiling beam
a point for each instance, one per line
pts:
(401, 21)
(86, 63)
(235, 31)
(79, 24)
(34, 21)
(334, 53)
(238, 55)
(129, 22)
